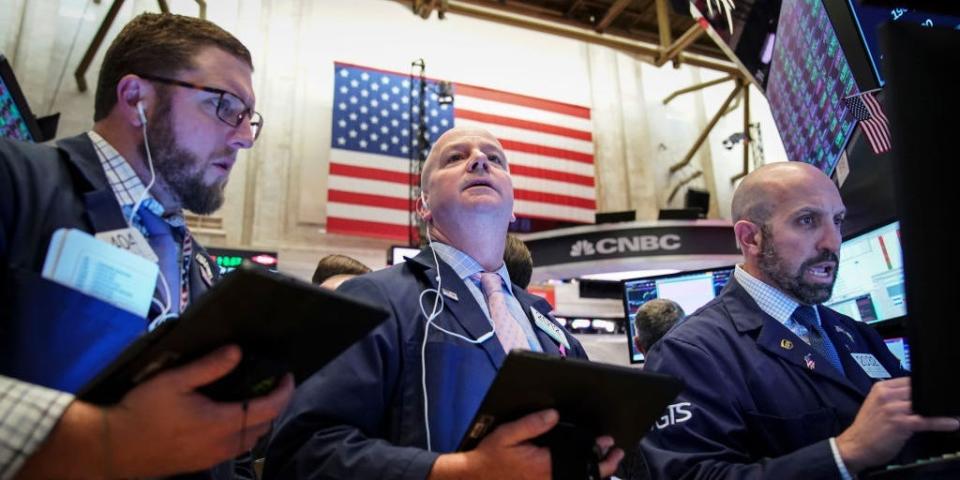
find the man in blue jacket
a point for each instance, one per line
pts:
(777, 386)
(174, 105)
(394, 405)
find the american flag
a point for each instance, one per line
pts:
(865, 108)
(811, 363)
(549, 146)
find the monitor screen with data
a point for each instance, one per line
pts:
(691, 290)
(870, 285)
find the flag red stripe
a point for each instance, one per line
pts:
(364, 228)
(459, 113)
(546, 151)
(369, 200)
(521, 100)
(372, 174)
(495, 95)
(404, 178)
(547, 217)
(879, 132)
(555, 199)
(551, 175)
(407, 205)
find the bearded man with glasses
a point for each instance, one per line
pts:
(174, 105)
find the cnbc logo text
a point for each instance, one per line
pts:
(619, 245)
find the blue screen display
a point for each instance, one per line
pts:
(12, 123)
(691, 290)
(868, 18)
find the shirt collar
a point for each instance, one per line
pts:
(464, 265)
(127, 186)
(771, 300)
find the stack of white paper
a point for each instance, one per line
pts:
(79, 261)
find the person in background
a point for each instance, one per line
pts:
(518, 260)
(333, 270)
(653, 320)
(174, 105)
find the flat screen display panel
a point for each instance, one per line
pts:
(691, 290)
(870, 285)
(809, 78)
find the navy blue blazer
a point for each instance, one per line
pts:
(759, 401)
(362, 416)
(43, 189)
(52, 335)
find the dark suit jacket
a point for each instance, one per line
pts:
(362, 416)
(50, 334)
(754, 405)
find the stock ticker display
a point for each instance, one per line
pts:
(809, 78)
(12, 124)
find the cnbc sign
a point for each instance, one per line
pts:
(617, 245)
(585, 244)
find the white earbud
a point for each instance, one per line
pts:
(143, 116)
(423, 200)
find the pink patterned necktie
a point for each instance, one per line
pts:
(508, 331)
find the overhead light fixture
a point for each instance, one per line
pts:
(616, 276)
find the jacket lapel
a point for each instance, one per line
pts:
(102, 210)
(458, 303)
(845, 341)
(776, 339)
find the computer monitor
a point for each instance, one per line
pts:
(921, 102)
(691, 290)
(856, 26)
(870, 285)
(16, 120)
(396, 254)
(809, 78)
(899, 348)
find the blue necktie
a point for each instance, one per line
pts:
(164, 244)
(805, 315)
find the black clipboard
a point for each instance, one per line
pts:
(282, 325)
(595, 398)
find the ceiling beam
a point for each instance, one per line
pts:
(643, 49)
(612, 13)
(646, 34)
(685, 40)
(663, 24)
(573, 8)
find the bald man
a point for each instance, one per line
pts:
(778, 386)
(397, 403)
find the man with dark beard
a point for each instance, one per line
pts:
(174, 105)
(777, 386)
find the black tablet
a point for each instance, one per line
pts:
(282, 325)
(596, 398)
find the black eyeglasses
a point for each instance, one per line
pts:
(230, 108)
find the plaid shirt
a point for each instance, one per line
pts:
(28, 413)
(127, 186)
(128, 189)
(773, 302)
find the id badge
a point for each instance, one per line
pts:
(131, 240)
(871, 365)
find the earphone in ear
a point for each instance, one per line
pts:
(423, 200)
(143, 116)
